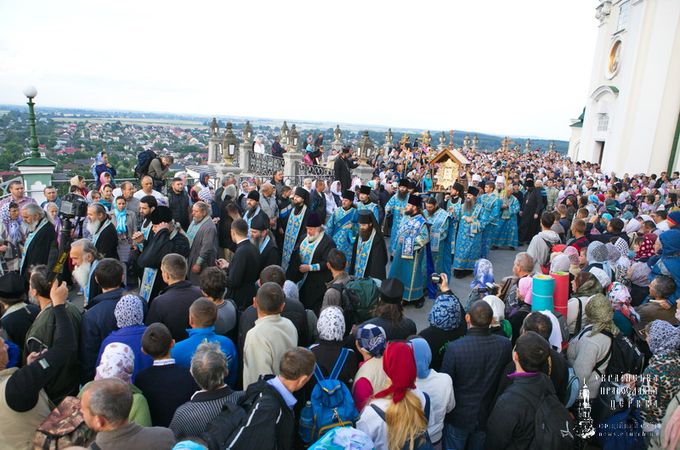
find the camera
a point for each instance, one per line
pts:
(436, 278)
(73, 206)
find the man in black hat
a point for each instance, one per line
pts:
(390, 312)
(18, 315)
(342, 168)
(533, 206)
(409, 263)
(270, 254)
(342, 227)
(308, 264)
(396, 206)
(295, 225)
(253, 203)
(456, 197)
(167, 237)
(469, 239)
(369, 254)
(366, 203)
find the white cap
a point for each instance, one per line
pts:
(477, 177)
(500, 179)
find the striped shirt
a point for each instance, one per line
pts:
(192, 418)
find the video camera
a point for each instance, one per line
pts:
(73, 206)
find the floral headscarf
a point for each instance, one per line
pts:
(13, 226)
(622, 247)
(663, 338)
(331, 324)
(483, 274)
(646, 249)
(600, 315)
(118, 361)
(620, 298)
(129, 311)
(572, 253)
(446, 313)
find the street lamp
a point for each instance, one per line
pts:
(293, 141)
(230, 145)
(366, 147)
(284, 133)
(31, 93)
(247, 132)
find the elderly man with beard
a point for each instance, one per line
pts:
(409, 262)
(439, 237)
(294, 229)
(366, 203)
(342, 226)
(244, 268)
(270, 254)
(369, 255)
(396, 206)
(167, 238)
(99, 319)
(85, 258)
(202, 235)
(102, 231)
(41, 243)
(469, 239)
(308, 264)
(254, 209)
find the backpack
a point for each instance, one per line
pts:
(331, 404)
(629, 435)
(573, 386)
(423, 441)
(358, 299)
(143, 162)
(63, 427)
(553, 426)
(218, 431)
(545, 265)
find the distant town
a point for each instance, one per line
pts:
(72, 137)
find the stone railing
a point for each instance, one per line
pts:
(312, 171)
(263, 164)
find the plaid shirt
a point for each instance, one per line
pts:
(475, 363)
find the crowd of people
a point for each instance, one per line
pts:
(224, 314)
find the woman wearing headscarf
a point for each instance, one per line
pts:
(646, 249)
(370, 378)
(331, 330)
(622, 263)
(398, 416)
(638, 280)
(129, 314)
(560, 262)
(482, 274)
(12, 236)
(499, 325)
(439, 387)
(591, 345)
(625, 316)
(597, 256)
(669, 263)
(118, 361)
(333, 198)
(524, 287)
(660, 381)
(79, 182)
(447, 323)
(584, 286)
(572, 254)
(126, 224)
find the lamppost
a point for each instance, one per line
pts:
(293, 139)
(284, 134)
(31, 92)
(230, 145)
(366, 147)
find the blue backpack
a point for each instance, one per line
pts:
(330, 406)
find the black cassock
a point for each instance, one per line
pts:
(43, 249)
(314, 287)
(271, 254)
(377, 259)
(107, 242)
(533, 204)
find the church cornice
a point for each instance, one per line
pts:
(604, 89)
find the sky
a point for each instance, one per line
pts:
(519, 68)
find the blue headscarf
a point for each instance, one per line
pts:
(423, 356)
(446, 313)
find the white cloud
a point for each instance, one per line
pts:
(519, 68)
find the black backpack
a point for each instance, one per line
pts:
(219, 429)
(625, 357)
(358, 297)
(553, 426)
(143, 162)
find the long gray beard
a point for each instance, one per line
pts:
(92, 227)
(82, 274)
(256, 241)
(313, 238)
(468, 205)
(32, 226)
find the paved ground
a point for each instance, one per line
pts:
(502, 266)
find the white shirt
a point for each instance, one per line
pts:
(440, 389)
(160, 197)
